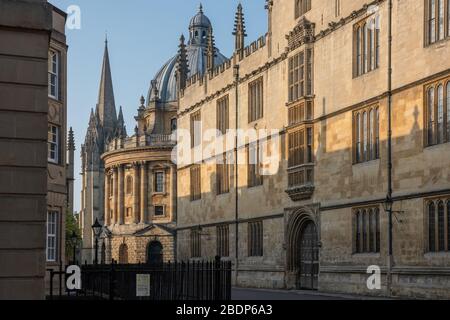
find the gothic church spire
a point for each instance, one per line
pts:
(106, 106)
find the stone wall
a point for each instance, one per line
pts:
(340, 185)
(24, 44)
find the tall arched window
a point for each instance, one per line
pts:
(441, 226)
(365, 136)
(448, 111)
(377, 41)
(432, 22)
(129, 186)
(430, 105)
(378, 230)
(431, 227)
(440, 115)
(441, 22)
(370, 44)
(358, 233)
(377, 133)
(364, 231)
(358, 137)
(364, 48)
(103, 253)
(371, 231)
(372, 135)
(358, 51)
(123, 254)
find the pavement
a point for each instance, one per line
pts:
(241, 294)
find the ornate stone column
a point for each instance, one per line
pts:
(121, 200)
(144, 193)
(115, 195)
(136, 193)
(106, 195)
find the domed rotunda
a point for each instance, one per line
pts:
(165, 79)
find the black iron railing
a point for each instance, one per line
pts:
(194, 280)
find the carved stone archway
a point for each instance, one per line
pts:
(302, 256)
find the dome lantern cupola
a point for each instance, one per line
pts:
(163, 87)
(198, 28)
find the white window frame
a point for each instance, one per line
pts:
(53, 74)
(52, 236)
(53, 141)
(163, 181)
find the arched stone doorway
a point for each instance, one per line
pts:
(103, 253)
(303, 251)
(155, 253)
(123, 254)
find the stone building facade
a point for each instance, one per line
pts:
(32, 187)
(61, 146)
(320, 78)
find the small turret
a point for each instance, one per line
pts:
(239, 31)
(121, 129)
(210, 50)
(182, 65)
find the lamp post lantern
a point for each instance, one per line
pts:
(97, 228)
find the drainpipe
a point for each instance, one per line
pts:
(389, 195)
(236, 75)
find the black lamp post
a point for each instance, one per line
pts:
(74, 240)
(97, 228)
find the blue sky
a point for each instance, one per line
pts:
(143, 35)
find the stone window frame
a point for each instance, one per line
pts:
(366, 134)
(52, 235)
(366, 45)
(300, 70)
(223, 174)
(173, 125)
(437, 132)
(54, 143)
(437, 24)
(158, 183)
(301, 112)
(256, 100)
(223, 114)
(196, 117)
(195, 183)
(196, 243)
(438, 236)
(301, 156)
(301, 7)
(223, 240)
(54, 71)
(254, 177)
(255, 233)
(366, 230)
(163, 210)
